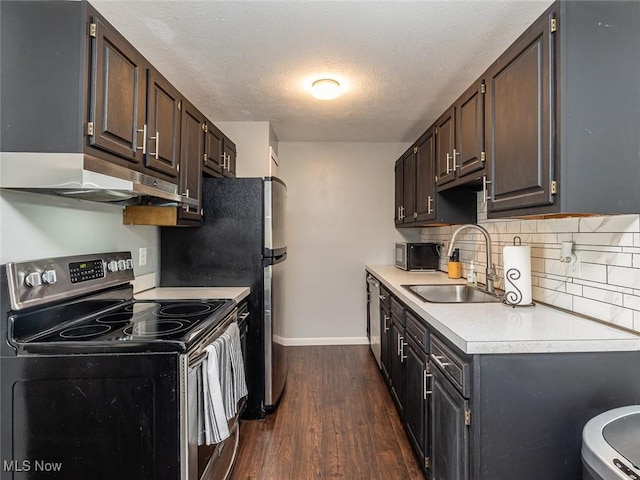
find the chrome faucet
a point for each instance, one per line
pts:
(491, 269)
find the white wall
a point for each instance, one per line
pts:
(252, 141)
(339, 218)
(607, 285)
(38, 226)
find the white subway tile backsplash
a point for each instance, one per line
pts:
(605, 239)
(607, 258)
(625, 277)
(558, 225)
(552, 297)
(593, 272)
(608, 286)
(631, 301)
(615, 223)
(574, 289)
(606, 296)
(604, 311)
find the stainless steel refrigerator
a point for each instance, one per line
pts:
(241, 243)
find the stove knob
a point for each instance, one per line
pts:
(112, 266)
(49, 277)
(122, 265)
(33, 280)
(129, 264)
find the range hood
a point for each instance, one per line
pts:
(77, 175)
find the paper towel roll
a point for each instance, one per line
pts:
(517, 275)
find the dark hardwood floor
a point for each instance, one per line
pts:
(336, 420)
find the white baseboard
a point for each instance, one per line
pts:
(298, 342)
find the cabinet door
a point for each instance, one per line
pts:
(425, 177)
(469, 113)
(415, 370)
(520, 122)
(409, 179)
(396, 363)
(449, 432)
(162, 147)
(230, 158)
(117, 98)
(214, 151)
(444, 142)
(399, 191)
(385, 342)
(192, 151)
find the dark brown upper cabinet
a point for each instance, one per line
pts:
(161, 145)
(417, 202)
(425, 179)
(445, 134)
(399, 191)
(118, 78)
(562, 114)
(229, 158)
(459, 139)
(192, 145)
(520, 116)
(213, 163)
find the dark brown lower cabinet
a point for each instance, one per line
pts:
(396, 373)
(497, 416)
(449, 432)
(385, 341)
(416, 400)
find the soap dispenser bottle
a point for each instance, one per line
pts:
(471, 276)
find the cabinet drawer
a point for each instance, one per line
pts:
(417, 330)
(397, 309)
(454, 368)
(385, 296)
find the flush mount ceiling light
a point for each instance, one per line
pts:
(325, 88)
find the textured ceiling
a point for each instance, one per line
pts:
(403, 62)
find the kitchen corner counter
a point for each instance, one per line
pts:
(194, 293)
(494, 328)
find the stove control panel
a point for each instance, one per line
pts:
(45, 280)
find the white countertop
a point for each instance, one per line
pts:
(478, 328)
(193, 293)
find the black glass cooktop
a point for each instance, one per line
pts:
(157, 325)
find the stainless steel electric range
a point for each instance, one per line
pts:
(95, 384)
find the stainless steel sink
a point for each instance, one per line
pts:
(452, 294)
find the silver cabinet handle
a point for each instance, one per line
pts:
(448, 160)
(386, 319)
(425, 383)
(398, 344)
(439, 361)
(453, 157)
(429, 203)
(485, 192)
(157, 139)
(403, 344)
(143, 131)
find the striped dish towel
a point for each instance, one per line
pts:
(237, 387)
(215, 421)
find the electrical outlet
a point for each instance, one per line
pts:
(573, 268)
(142, 256)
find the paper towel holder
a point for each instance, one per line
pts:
(566, 253)
(514, 274)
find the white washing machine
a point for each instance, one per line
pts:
(611, 445)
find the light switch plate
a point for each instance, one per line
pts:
(142, 256)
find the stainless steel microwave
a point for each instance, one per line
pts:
(417, 256)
